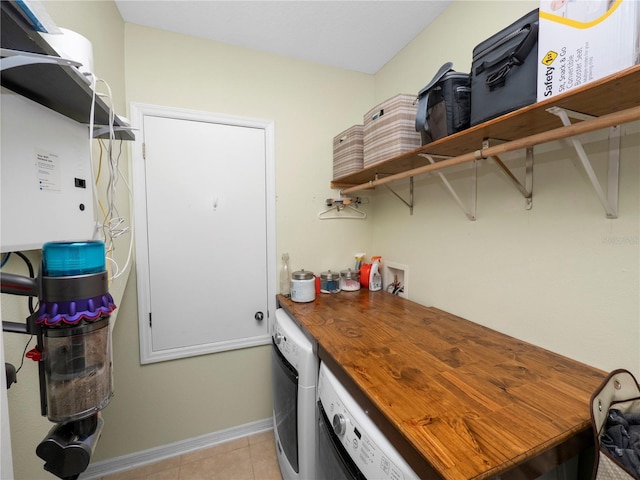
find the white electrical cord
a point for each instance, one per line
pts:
(94, 190)
(112, 220)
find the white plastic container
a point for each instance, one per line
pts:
(303, 286)
(375, 279)
(72, 46)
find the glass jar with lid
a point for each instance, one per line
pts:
(329, 282)
(349, 280)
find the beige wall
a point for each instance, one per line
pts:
(28, 428)
(450, 38)
(224, 390)
(560, 275)
(308, 103)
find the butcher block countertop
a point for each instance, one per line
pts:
(458, 400)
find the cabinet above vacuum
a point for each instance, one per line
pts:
(58, 86)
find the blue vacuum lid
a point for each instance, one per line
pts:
(63, 259)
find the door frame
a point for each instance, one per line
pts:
(138, 112)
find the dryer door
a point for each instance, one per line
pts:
(285, 405)
(333, 461)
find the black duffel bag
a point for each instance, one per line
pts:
(443, 105)
(504, 70)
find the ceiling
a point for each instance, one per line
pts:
(359, 35)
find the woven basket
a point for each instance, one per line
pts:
(390, 129)
(348, 154)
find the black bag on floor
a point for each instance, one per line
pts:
(444, 105)
(504, 70)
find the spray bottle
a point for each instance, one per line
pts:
(375, 276)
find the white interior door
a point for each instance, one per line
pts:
(206, 208)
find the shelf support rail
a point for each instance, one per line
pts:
(600, 123)
(609, 200)
(527, 189)
(472, 211)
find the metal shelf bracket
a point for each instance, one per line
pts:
(527, 189)
(472, 211)
(609, 200)
(102, 131)
(410, 202)
(15, 58)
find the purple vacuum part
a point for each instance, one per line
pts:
(73, 312)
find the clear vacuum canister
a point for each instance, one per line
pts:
(74, 314)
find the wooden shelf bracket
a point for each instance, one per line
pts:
(609, 200)
(472, 210)
(527, 189)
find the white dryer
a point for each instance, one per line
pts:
(350, 445)
(294, 378)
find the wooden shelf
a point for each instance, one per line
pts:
(617, 92)
(61, 88)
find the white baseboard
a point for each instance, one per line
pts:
(138, 459)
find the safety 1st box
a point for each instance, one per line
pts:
(584, 40)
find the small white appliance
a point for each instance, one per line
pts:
(294, 377)
(350, 445)
(46, 182)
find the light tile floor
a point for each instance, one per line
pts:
(248, 458)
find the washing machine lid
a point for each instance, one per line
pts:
(295, 347)
(369, 449)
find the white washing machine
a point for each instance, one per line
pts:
(350, 445)
(294, 378)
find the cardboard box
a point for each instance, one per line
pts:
(348, 152)
(390, 129)
(584, 40)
